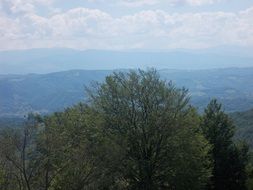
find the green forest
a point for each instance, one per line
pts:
(135, 131)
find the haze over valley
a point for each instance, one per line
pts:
(55, 60)
(45, 93)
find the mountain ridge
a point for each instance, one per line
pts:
(51, 60)
(45, 93)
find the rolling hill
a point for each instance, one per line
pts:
(45, 93)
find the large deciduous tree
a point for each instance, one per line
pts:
(155, 130)
(135, 132)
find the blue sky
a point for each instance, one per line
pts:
(126, 24)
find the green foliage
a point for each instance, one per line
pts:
(244, 123)
(155, 129)
(230, 159)
(135, 132)
(249, 171)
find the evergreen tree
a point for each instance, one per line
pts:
(229, 159)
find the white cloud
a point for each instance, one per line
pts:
(140, 3)
(10, 7)
(95, 29)
(200, 2)
(20, 7)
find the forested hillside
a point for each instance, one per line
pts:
(133, 132)
(244, 123)
(20, 94)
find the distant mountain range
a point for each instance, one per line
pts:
(54, 60)
(45, 93)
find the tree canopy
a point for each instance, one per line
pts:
(134, 132)
(230, 159)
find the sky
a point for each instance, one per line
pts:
(126, 24)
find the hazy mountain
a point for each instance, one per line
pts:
(232, 86)
(45, 93)
(54, 60)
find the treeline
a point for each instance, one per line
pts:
(135, 132)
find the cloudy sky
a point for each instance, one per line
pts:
(125, 24)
